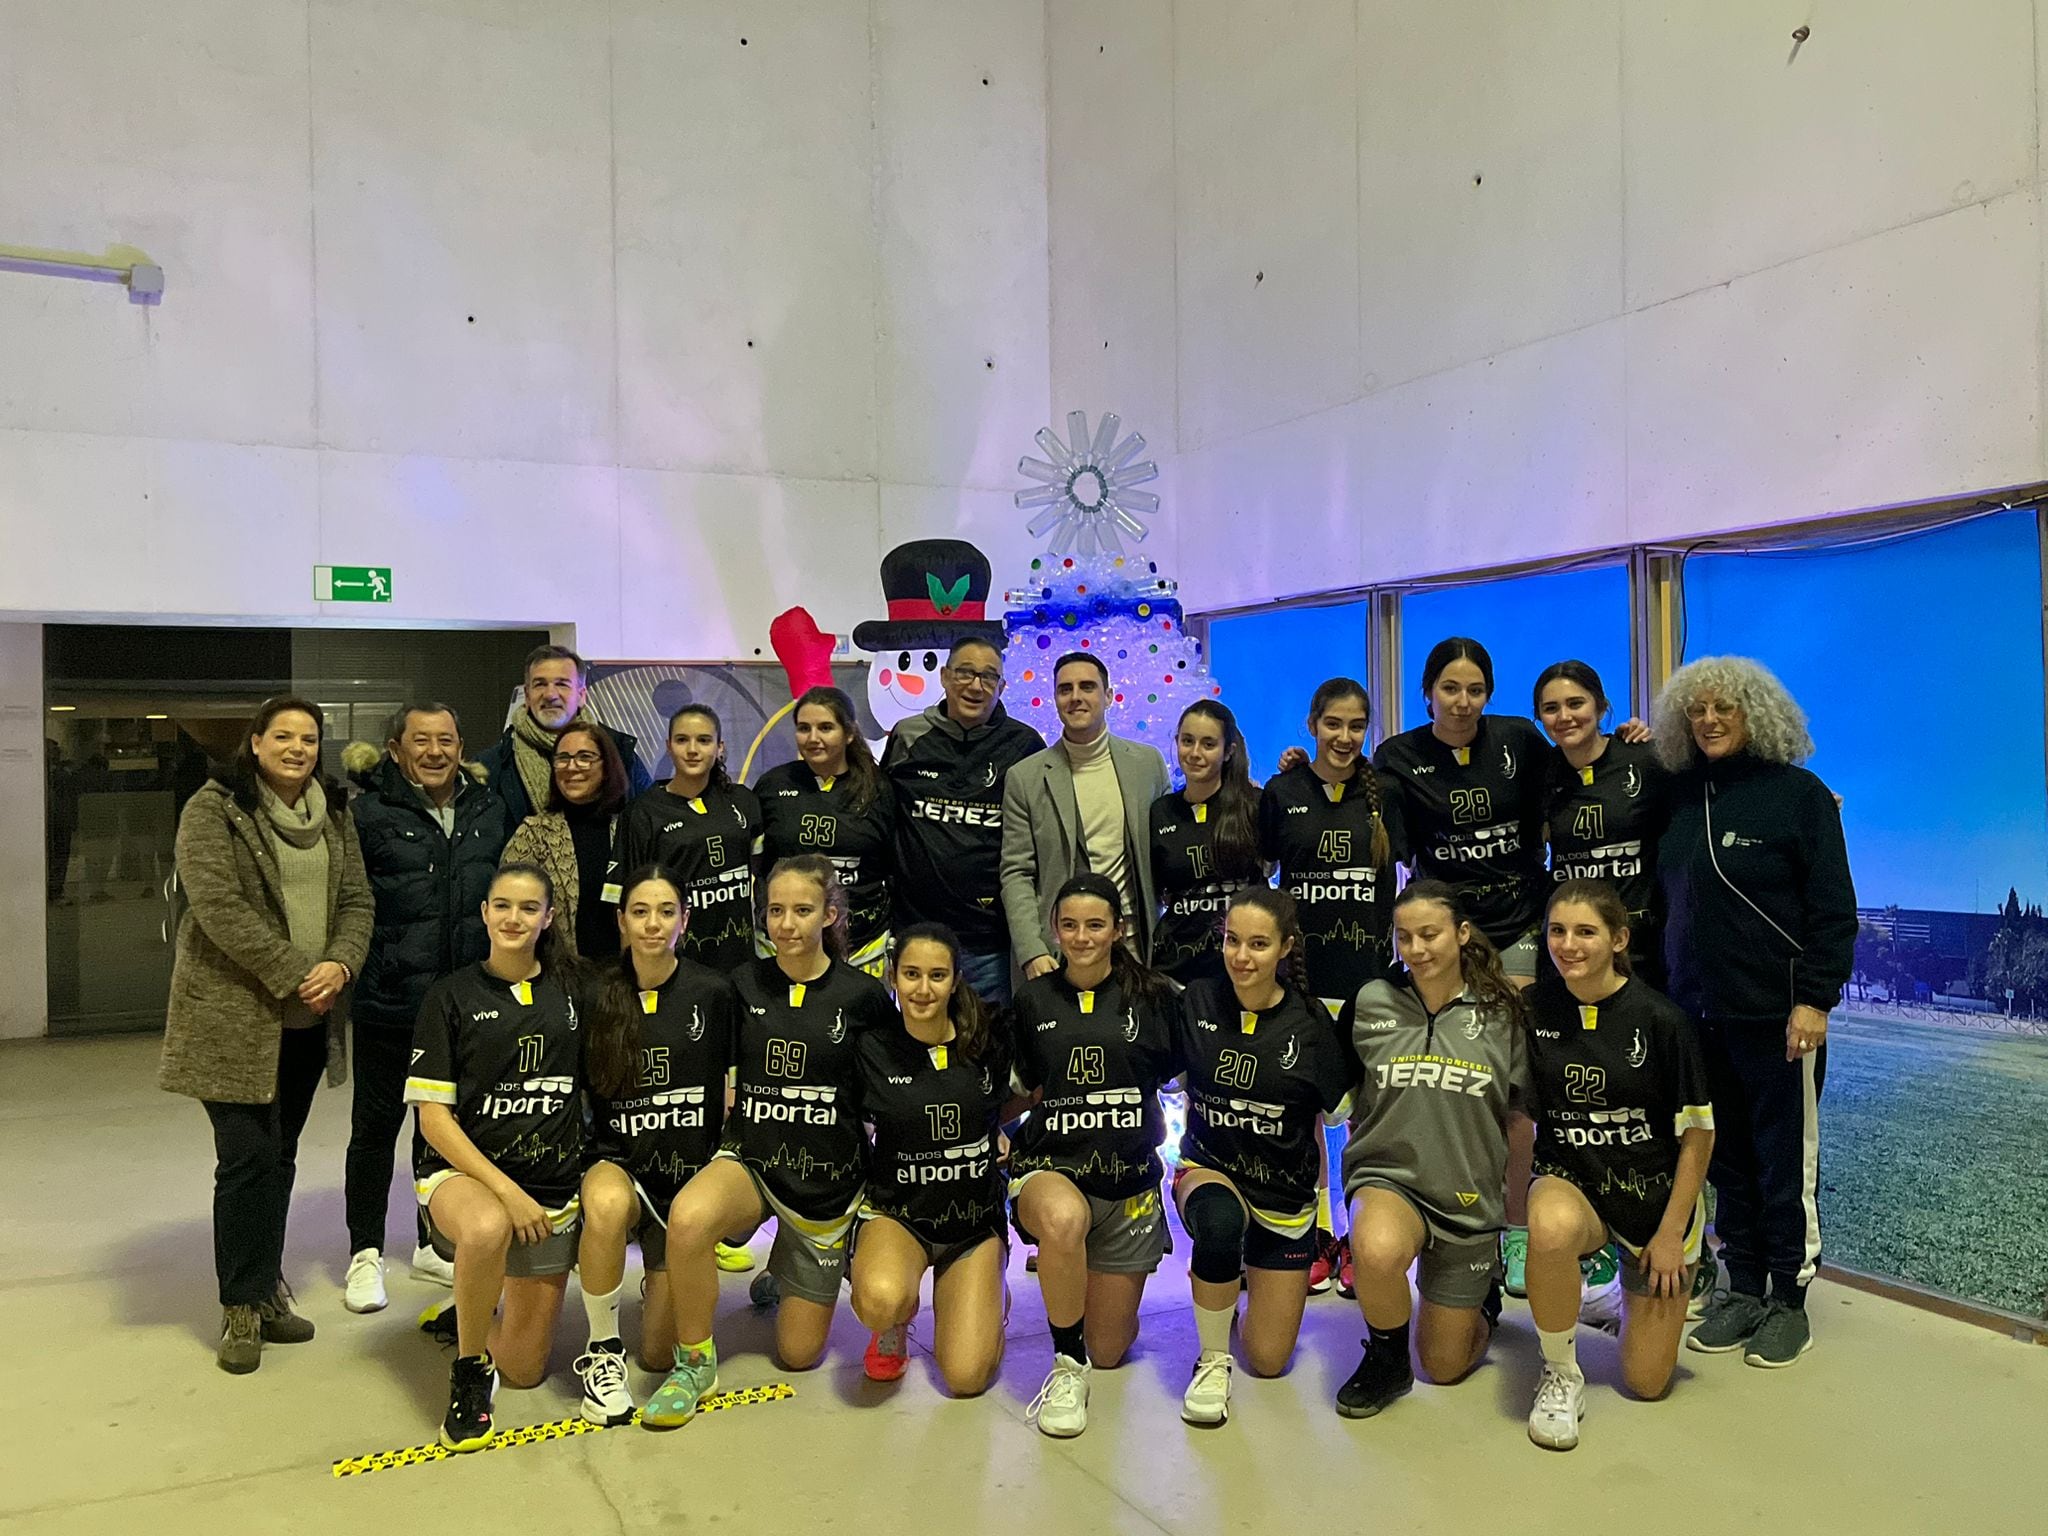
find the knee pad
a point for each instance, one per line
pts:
(1215, 1221)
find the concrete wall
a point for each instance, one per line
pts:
(650, 317)
(23, 980)
(1405, 289)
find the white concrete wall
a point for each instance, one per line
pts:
(650, 317)
(1411, 288)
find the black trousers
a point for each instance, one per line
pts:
(256, 1151)
(1766, 1167)
(383, 1055)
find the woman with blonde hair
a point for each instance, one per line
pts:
(1760, 937)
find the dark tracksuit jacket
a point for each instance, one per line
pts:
(1760, 917)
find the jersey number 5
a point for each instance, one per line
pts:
(1470, 805)
(1236, 1069)
(714, 852)
(1084, 1065)
(1584, 1084)
(786, 1058)
(818, 831)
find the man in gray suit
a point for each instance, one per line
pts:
(1084, 803)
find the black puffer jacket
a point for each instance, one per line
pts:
(429, 889)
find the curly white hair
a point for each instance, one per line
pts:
(1777, 725)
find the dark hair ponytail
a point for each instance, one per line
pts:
(1456, 648)
(1328, 692)
(1478, 961)
(973, 1026)
(1569, 672)
(1133, 977)
(861, 766)
(612, 1051)
(547, 948)
(1286, 916)
(1237, 797)
(719, 775)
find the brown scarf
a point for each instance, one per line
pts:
(533, 754)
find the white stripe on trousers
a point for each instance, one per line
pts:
(1809, 1170)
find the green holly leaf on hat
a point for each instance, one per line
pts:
(945, 599)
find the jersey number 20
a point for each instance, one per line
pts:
(1236, 1069)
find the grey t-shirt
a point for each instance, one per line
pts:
(1430, 1115)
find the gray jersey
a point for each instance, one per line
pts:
(1431, 1111)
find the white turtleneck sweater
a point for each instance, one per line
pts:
(1100, 800)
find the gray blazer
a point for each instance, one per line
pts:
(1042, 840)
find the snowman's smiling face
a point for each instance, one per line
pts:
(901, 683)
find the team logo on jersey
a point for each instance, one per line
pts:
(696, 1022)
(1470, 1197)
(1507, 763)
(988, 1084)
(417, 1054)
(989, 779)
(1291, 1055)
(1130, 1026)
(1736, 840)
(570, 1004)
(1474, 1027)
(837, 1033)
(1638, 1053)
(480, 1016)
(1633, 784)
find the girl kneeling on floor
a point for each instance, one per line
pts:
(1094, 1042)
(663, 1032)
(497, 1073)
(935, 1092)
(1264, 1064)
(1623, 1137)
(794, 1149)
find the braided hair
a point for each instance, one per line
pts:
(1330, 692)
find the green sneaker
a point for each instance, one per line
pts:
(1514, 1258)
(1729, 1324)
(675, 1401)
(1600, 1270)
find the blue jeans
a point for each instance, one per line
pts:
(988, 974)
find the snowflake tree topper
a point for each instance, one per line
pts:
(1088, 490)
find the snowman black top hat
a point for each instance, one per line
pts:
(938, 595)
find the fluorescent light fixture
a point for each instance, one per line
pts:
(63, 709)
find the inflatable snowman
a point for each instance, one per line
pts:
(937, 591)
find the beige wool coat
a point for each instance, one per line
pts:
(235, 965)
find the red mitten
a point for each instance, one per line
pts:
(804, 650)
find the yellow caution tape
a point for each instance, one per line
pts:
(533, 1434)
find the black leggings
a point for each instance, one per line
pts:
(383, 1055)
(256, 1150)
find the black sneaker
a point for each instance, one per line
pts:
(438, 1323)
(1383, 1375)
(472, 1383)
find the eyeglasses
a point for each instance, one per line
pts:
(577, 759)
(1720, 709)
(965, 675)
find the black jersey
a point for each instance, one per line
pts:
(796, 1119)
(1187, 941)
(1099, 1061)
(1475, 817)
(707, 844)
(1321, 836)
(507, 1057)
(1257, 1083)
(1605, 820)
(935, 1114)
(1617, 1086)
(667, 1125)
(802, 813)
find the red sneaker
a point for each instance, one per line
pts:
(1322, 1269)
(1344, 1286)
(888, 1354)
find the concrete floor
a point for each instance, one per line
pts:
(1897, 1422)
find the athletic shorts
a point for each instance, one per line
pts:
(1454, 1269)
(1634, 1278)
(1519, 958)
(554, 1254)
(808, 1256)
(652, 1232)
(938, 1257)
(1265, 1246)
(1125, 1237)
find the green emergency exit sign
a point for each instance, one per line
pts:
(352, 583)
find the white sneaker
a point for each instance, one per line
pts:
(1061, 1407)
(1207, 1400)
(430, 1266)
(1602, 1308)
(364, 1289)
(1560, 1404)
(607, 1399)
